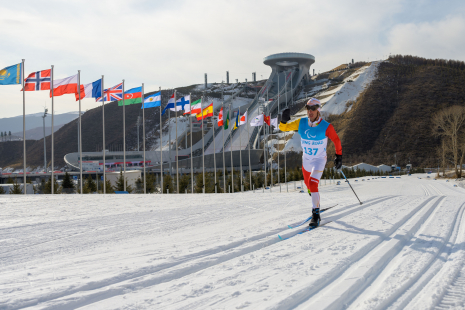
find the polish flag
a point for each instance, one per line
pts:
(220, 118)
(243, 119)
(65, 86)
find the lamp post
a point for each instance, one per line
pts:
(45, 148)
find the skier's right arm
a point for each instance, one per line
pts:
(292, 126)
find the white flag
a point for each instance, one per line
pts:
(274, 122)
(257, 120)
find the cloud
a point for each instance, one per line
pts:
(437, 39)
(173, 43)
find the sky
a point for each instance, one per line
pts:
(174, 43)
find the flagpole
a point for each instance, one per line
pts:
(177, 165)
(103, 120)
(203, 146)
(279, 93)
(230, 149)
(192, 160)
(214, 148)
(250, 166)
(161, 147)
(169, 137)
(265, 159)
(240, 143)
(24, 127)
(224, 163)
(80, 131)
(124, 141)
(143, 133)
(269, 151)
(285, 164)
(52, 177)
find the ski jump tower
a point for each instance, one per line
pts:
(299, 62)
(290, 70)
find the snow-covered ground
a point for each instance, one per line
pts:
(404, 248)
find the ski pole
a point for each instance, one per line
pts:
(350, 186)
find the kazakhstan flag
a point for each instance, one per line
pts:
(10, 75)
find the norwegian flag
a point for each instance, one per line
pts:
(111, 94)
(39, 80)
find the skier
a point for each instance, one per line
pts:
(314, 132)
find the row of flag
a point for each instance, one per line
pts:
(41, 80)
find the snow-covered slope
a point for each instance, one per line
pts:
(335, 100)
(404, 248)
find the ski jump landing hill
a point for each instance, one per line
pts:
(290, 71)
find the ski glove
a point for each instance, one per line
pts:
(286, 116)
(338, 162)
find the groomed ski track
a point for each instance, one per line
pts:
(404, 248)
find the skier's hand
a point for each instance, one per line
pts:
(338, 161)
(286, 116)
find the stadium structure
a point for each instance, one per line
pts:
(290, 72)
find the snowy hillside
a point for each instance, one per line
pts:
(335, 99)
(404, 248)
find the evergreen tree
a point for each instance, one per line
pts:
(209, 182)
(219, 179)
(16, 189)
(140, 185)
(9, 134)
(198, 187)
(184, 183)
(9, 180)
(2, 191)
(109, 189)
(120, 183)
(258, 179)
(168, 184)
(1, 134)
(67, 184)
(150, 183)
(48, 187)
(90, 185)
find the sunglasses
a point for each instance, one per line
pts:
(312, 107)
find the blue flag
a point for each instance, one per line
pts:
(11, 75)
(152, 101)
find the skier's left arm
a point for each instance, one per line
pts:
(331, 133)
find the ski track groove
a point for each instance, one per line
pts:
(455, 296)
(392, 251)
(304, 295)
(416, 282)
(104, 286)
(437, 264)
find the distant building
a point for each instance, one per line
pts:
(368, 167)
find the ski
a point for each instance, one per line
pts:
(295, 225)
(303, 231)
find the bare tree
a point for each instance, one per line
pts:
(449, 124)
(442, 152)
